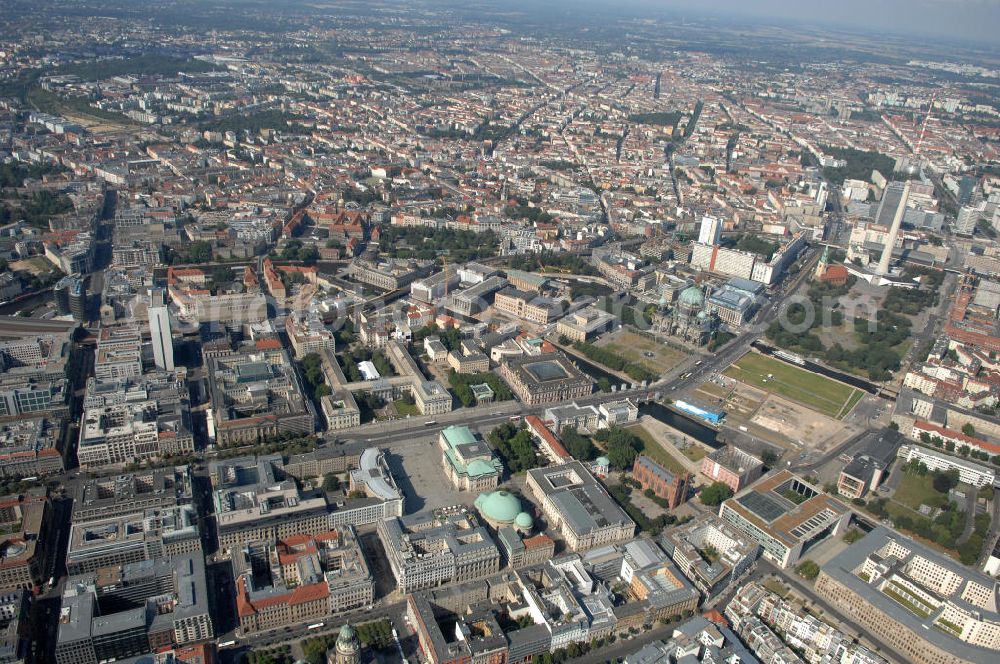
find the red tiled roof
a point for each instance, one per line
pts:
(546, 434)
(538, 541)
(713, 615)
(299, 595)
(956, 436)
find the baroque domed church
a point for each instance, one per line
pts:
(689, 320)
(347, 649)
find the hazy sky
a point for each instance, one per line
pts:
(977, 20)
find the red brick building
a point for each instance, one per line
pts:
(672, 487)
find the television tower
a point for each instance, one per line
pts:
(890, 241)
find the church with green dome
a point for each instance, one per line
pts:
(347, 648)
(690, 320)
(502, 509)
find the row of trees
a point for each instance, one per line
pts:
(288, 444)
(693, 122)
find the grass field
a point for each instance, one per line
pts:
(634, 348)
(403, 409)
(776, 587)
(819, 393)
(694, 452)
(853, 401)
(915, 491)
(714, 391)
(655, 450)
(36, 265)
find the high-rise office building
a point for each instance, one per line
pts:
(968, 218)
(70, 296)
(711, 230)
(61, 295)
(159, 331)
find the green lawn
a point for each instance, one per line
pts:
(694, 452)
(776, 587)
(819, 393)
(404, 408)
(896, 510)
(915, 491)
(655, 450)
(36, 265)
(633, 347)
(852, 402)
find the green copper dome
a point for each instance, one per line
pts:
(524, 521)
(499, 506)
(347, 634)
(692, 297)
